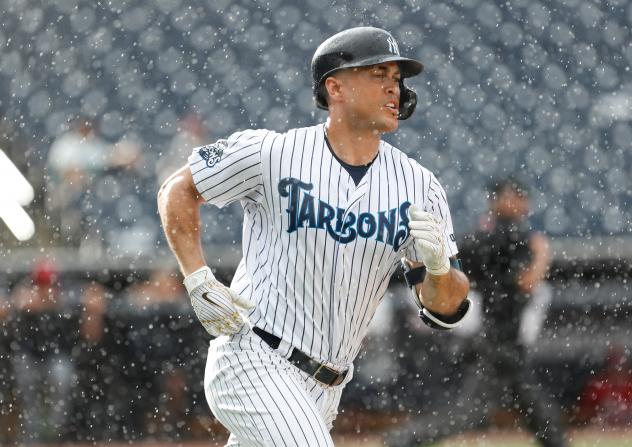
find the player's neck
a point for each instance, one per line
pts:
(352, 145)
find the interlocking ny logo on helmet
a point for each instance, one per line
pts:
(361, 47)
(392, 45)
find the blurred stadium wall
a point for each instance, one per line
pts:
(98, 100)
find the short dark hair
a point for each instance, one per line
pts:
(496, 187)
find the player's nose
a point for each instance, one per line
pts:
(392, 87)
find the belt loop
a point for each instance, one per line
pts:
(284, 349)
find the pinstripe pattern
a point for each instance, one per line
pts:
(264, 400)
(318, 253)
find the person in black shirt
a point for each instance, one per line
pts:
(506, 261)
(41, 354)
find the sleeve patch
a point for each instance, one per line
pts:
(211, 154)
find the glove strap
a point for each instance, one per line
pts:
(197, 278)
(414, 276)
(443, 322)
(431, 319)
(456, 263)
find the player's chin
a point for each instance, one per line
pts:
(393, 125)
(390, 121)
(389, 124)
(382, 127)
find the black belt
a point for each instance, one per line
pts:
(318, 371)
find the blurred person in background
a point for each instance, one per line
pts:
(74, 159)
(118, 216)
(164, 345)
(8, 414)
(77, 153)
(41, 356)
(97, 383)
(507, 261)
(607, 398)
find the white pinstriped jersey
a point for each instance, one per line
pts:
(318, 251)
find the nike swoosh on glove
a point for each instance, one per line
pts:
(429, 240)
(217, 307)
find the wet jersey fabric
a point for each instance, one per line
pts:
(318, 249)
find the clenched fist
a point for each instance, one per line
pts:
(219, 308)
(429, 240)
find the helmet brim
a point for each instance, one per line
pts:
(408, 67)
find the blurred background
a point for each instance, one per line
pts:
(100, 101)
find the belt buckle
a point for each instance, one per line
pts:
(337, 380)
(321, 366)
(340, 378)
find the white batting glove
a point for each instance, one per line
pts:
(218, 307)
(429, 240)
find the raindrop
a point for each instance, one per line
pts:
(31, 20)
(39, 104)
(170, 60)
(204, 37)
(136, 19)
(461, 36)
(82, 20)
(590, 14)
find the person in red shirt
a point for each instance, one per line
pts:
(607, 398)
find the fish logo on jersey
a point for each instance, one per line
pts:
(306, 211)
(212, 154)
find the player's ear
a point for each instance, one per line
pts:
(333, 87)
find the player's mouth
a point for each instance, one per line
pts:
(392, 106)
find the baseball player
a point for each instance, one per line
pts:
(329, 211)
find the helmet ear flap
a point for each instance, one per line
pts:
(321, 97)
(407, 102)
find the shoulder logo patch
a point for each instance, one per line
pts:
(211, 154)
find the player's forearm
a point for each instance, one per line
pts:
(179, 210)
(444, 294)
(531, 277)
(539, 267)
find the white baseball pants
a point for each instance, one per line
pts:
(264, 400)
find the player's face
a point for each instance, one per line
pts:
(513, 205)
(372, 96)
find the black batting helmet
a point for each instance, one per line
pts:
(361, 47)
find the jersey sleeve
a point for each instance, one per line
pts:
(229, 169)
(437, 203)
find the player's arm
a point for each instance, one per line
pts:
(218, 308)
(439, 289)
(536, 271)
(442, 294)
(179, 208)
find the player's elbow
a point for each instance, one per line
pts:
(458, 293)
(444, 294)
(464, 285)
(164, 193)
(178, 189)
